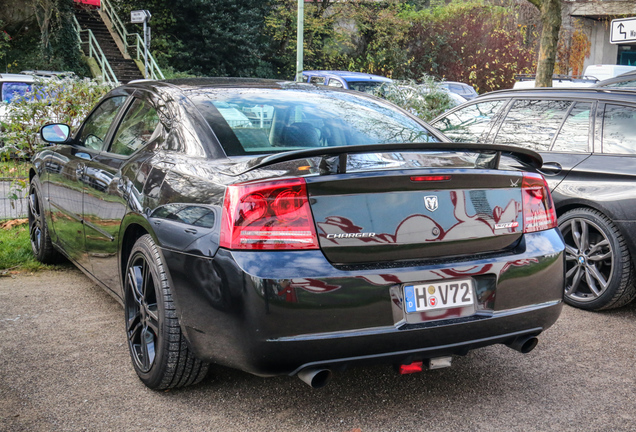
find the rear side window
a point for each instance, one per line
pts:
(618, 129)
(575, 131)
(532, 123)
(471, 123)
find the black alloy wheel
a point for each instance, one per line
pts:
(157, 346)
(599, 270)
(41, 244)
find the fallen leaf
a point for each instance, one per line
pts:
(13, 223)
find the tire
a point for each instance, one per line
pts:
(158, 349)
(599, 269)
(41, 244)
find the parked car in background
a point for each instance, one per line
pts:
(588, 142)
(466, 91)
(623, 81)
(12, 86)
(606, 71)
(559, 81)
(342, 231)
(347, 80)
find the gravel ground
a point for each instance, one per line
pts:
(64, 366)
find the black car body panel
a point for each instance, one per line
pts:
(274, 312)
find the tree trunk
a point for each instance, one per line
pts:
(551, 20)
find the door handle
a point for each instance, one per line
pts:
(550, 168)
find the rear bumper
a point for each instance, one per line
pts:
(272, 313)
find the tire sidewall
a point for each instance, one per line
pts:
(146, 247)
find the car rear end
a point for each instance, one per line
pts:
(398, 266)
(402, 253)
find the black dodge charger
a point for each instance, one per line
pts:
(285, 228)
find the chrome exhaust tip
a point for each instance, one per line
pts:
(316, 378)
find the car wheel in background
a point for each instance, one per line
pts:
(157, 346)
(599, 270)
(38, 229)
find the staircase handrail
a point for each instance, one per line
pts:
(120, 28)
(95, 51)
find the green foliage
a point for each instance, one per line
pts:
(426, 100)
(207, 38)
(15, 251)
(45, 44)
(66, 100)
(472, 42)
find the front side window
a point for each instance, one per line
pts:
(532, 123)
(573, 136)
(618, 129)
(137, 128)
(471, 123)
(277, 120)
(96, 126)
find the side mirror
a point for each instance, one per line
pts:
(56, 133)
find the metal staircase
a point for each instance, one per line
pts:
(124, 69)
(104, 38)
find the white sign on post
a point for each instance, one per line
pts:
(623, 30)
(139, 16)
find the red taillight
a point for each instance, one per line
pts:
(538, 208)
(268, 215)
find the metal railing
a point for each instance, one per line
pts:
(138, 44)
(95, 51)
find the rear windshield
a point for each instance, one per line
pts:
(12, 90)
(253, 121)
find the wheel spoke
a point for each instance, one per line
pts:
(33, 205)
(589, 278)
(600, 257)
(133, 281)
(599, 245)
(576, 280)
(571, 254)
(585, 235)
(576, 235)
(153, 317)
(598, 276)
(134, 329)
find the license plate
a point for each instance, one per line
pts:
(435, 296)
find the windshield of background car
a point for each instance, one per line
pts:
(273, 120)
(364, 86)
(11, 90)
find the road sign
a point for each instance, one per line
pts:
(623, 30)
(139, 16)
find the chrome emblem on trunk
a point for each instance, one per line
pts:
(431, 203)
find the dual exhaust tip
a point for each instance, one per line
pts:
(317, 378)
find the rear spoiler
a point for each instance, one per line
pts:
(334, 159)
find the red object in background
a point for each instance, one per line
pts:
(95, 3)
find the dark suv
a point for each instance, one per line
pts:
(587, 138)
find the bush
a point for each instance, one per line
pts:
(66, 100)
(426, 100)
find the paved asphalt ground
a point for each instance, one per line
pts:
(64, 366)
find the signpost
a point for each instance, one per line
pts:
(138, 17)
(623, 30)
(299, 41)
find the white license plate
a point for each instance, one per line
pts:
(436, 295)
